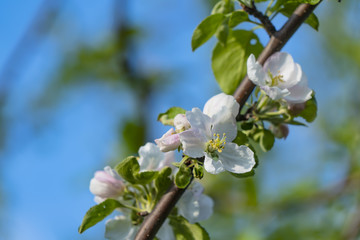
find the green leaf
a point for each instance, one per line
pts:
(184, 230)
(223, 7)
(247, 125)
(98, 213)
(167, 118)
(289, 8)
(238, 17)
(206, 29)
(229, 62)
(223, 33)
(146, 177)
(183, 176)
(241, 138)
(128, 168)
(310, 111)
(163, 182)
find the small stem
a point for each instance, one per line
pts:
(266, 23)
(268, 7)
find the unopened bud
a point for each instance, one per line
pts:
(296, 108)
(169, 141)
(280, 131)
(107, 184)
(181, 123)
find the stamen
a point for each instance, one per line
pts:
(216, 144)
(275, 79)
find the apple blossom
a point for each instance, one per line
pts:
(151, 158)
(194, 205)
(211, 135)
(106, 184)
(280, 77)
(169, 141)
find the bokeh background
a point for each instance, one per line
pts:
(82, 82)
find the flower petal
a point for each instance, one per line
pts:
(213, 166)
(120, 228)
(237, 159)
(165, 232)
(199, 120)
(300, 92)
(169, 141)
(193, 142)
(280, 63)
(224, 122)
(219, 101)
(275, 93)
(150, 157)
(255, 71)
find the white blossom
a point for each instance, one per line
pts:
(211, 135)
(280, 77)
(194, 205)
(153, 159)
(106, 184)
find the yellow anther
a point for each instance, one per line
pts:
(217, 143)
(275, 79)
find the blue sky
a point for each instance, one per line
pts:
(50, 155)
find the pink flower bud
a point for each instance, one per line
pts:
(280, 131)
(107, 184)
(169, 141)
(297, 108)
(181, 123)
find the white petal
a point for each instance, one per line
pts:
(120, 228)
(165, 232)
(181, 123)
(237, 159)
(150, 157)
(255, 71)
(275, 93)
(280, 63)
(199, 120)
(206, 208)
(193, 142)
(300, 92)
(224, 122)
(219, 101)
(213, 166)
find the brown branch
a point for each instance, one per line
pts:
(268, 26)
(153, 222)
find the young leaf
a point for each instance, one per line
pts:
(229, 62)
(146, 177)
(184, 230)
(265, 138)
(238, 17)
(183, 176)
(98, 213)
(310, 111)
(128, 169)
(223, 7)
(222, 33)
(206, 29)
(167, 118)
(163, 182)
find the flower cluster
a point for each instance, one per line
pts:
(216, 139)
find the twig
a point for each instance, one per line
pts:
(268, 26)
(153, 222)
